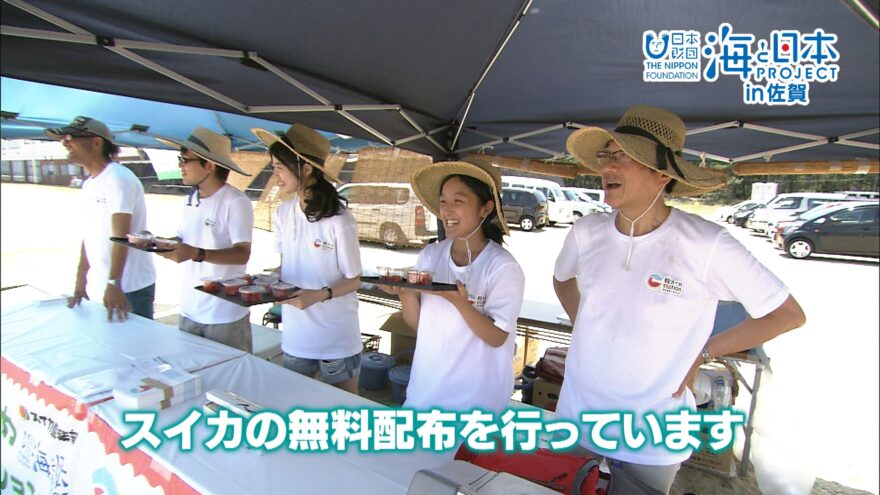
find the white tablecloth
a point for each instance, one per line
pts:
(57, 344)
(244, 471)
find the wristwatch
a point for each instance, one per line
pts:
(201, 256)
(706, 357)
(329, 293)
(115, 281)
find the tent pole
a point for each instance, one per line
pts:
(703, 154)
(417, 127)
(421, 135)
(782, 132)
(40, 34)
(511, 140)
(470, 99)
(318, 108)
(241, 107)
(129, 55)
(778, 151)
(305, 89)
(847, 139)
(700, 130)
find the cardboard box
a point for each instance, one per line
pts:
(545, 394)
(719, 463)
(523, 355)
(402, 336)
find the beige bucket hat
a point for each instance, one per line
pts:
(304, 142)
(81, 126)
(653, 137)
(426, 183)
(208, 145)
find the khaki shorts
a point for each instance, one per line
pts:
(236, 334)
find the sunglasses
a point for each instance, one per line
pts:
(184, 160)
(70, 137)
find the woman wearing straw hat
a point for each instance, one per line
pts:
(318, 241)
(215, 233)
(641, 286)
(465, 344)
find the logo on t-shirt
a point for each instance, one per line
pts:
(665, 284)
(478, 302)
(100, 199)
(210, 223)
(325, 246)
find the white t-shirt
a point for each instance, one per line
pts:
(638, 332)
(315, 255)
(115, 190)
(453, 368)
(220, 221)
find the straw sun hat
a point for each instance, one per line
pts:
(208, 145)
(426, 183)
(653, 137)
(305, 142)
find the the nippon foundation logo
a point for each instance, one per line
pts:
(774, 71)
(671, 56)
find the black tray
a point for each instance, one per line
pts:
(267, 297)
(150, 249)
(436, 286)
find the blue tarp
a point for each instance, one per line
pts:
(42, 105)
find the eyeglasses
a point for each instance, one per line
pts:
(184, 160)
(620, 157)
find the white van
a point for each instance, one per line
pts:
(389, 213)
(597, 195)
(583, 204)
(785, 206)
(560, 208)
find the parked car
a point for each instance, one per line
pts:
(524, 207)
(788, 205)
(862, 195)
(389, 213)
(597, 195)
(594, 196)
(558, 207)
(743, 215)
(581, 206)
(771, 225)
(785, 226)
(725, 213)
(850, 228)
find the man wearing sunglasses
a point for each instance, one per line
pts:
(114, 207)
(215, 238)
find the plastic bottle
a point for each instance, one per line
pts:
(720, 393)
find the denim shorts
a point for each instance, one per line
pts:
(141, 301)
(327, 370)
